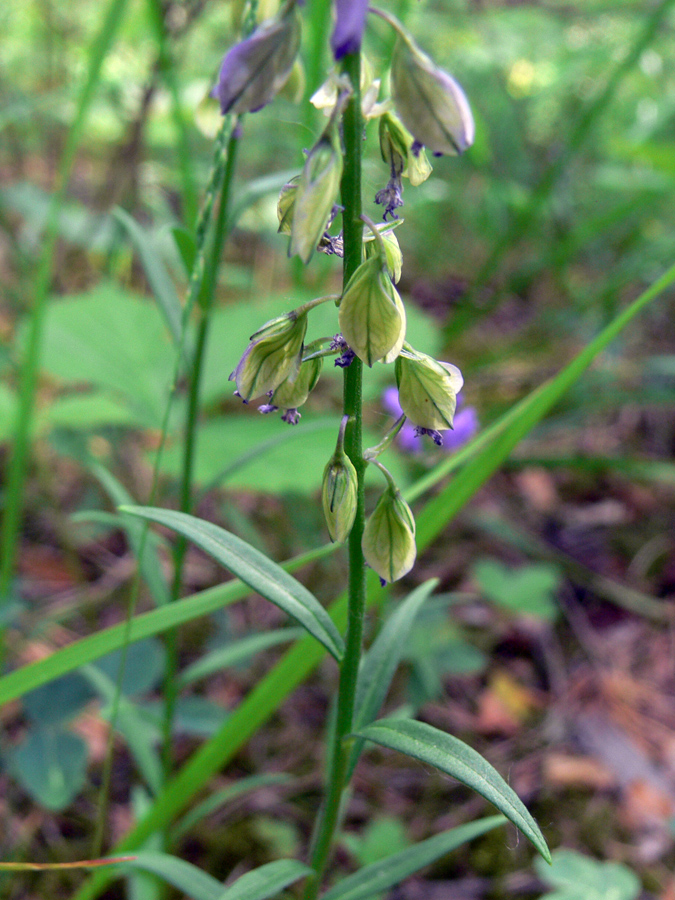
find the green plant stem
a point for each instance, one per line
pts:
(352, 406)
(205, 299)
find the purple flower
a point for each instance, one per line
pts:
(409, 439)
(254, 71)
(349, 25)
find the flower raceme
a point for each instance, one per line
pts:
(256, 69)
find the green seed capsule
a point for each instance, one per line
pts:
(274, 354)
(389, 537)
(427, 389)
(372, 317)
(392, 252)
(339, 496)
(317, 193)
(431, 104)
(291, 394)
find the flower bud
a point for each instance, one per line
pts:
(389, 537)
(372, 317)
(431, 104)
(286, 205)
(396, 147)
(316, 193)
(392, 252)
(339, 491)
(427, 389)
(254, 71)
(273, 355)
(293, 393)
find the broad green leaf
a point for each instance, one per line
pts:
(113, 339)
(192, 881)
(455, 758)
(255, 569)
(86, 412)
(381, 661)
(234, 653)
(50, 764)
(388, 872)
(578, 877)
(266, 881)
(140, 735)
(158, 278)
(530, 589)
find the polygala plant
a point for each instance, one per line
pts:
(320, 210)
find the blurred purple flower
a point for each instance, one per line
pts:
(349, 25)
(465, 422)
(255, 70)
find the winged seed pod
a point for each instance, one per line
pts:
(431, 104)
(255, 70)
(339, 491)
(317, 192)
(389, 536)
(371, 316)
(427, 389)
(273, 355)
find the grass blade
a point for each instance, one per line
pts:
(455, 758)
(266, 881)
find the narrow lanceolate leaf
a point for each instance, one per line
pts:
(385, 873)
(266, 881)
(382, 660)
(455, 758)
(254, 568)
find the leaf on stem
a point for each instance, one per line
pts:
(385, 873)
(254, 569)
(455, 758)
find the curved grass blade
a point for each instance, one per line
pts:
(455, 758)
(227, 795)
(266, 881)
(160, 283)
(254, 569)
(189, 879)
(385, 873)
(382, 660)
(236, 652)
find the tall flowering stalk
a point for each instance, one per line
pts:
(320, 210)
